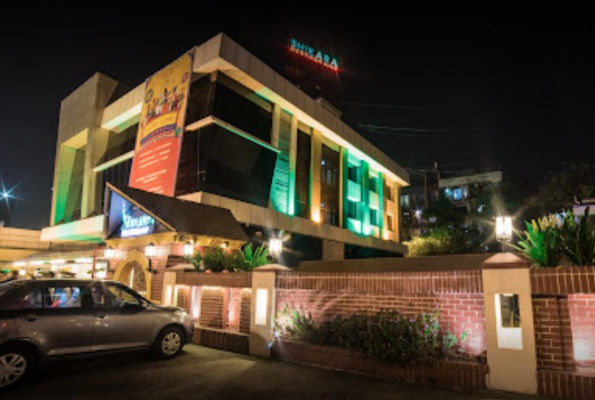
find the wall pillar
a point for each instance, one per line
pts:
(263, 309)
(292, 165)
(512, 359)
(315, 184)
(169, 285)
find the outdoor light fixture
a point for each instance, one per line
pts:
(150, 250)
(109, 253)
(188, 249)
(101, 274)
(20, 264)
(22, 273)
(504, 228)
(59, 261)
(275, 247)
(225, 245)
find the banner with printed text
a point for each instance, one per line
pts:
(161, 127)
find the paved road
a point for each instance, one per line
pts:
(202, 373)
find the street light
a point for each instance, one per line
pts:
(504, 229)
(109, 253)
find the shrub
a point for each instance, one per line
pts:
(217, 259)
(387, 336)
(578, 239)
(541, 241)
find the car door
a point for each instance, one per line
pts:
(57, 317)
(120, 318)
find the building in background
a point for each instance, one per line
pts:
(283, 163)
(463, 189)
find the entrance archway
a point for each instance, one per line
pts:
(133, 272)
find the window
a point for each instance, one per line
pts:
(405, 200)
(388, 192)
(113, 296)
(302, 175)
(353, 173)
(329, 179)
(53, 297)
(457, 194)
(510, 311)
(374, 217)
(373, 184)
(351, 209)
(390, 223)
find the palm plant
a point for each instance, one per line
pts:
(540, 242)
(578, 239)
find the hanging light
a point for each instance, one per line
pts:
(150, 250)
(188, 249)
(109, 253)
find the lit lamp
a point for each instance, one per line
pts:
(109, 253)
(188, 249)
(275, 247)
(504, 229)
(151, 251)
(22, 273)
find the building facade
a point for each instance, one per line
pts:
(284, 164)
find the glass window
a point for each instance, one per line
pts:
(405, 200)
(351, 209)
(113, 296)
(390, 222)
(373, 184)
(34, 300)
(510, 311)
(302, 175)
(353, 173)
(388, 192)
(53, 297)
(5, 288)
(374, 217)
(329, 178)
(457, 194)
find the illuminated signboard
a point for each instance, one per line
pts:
(314, 55)
(127, 220)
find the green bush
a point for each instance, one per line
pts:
(578, 239)
(445, 240)
(217, 259)
(387, 336)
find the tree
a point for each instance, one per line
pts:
(560, 189)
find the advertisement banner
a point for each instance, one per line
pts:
(161, 127)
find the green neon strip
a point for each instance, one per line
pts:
(380, 222)
(114, 161)
(364, 215)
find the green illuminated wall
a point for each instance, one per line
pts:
(281, 198)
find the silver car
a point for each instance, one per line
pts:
(41, 319)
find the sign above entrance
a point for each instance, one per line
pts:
(127, 220)
(314, 55)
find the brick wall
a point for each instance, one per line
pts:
(582, 318)
(211, 307)
(245, 310)
(456, 295)
(563, 280)
(553, 333)
(233, 309)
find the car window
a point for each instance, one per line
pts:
(5, 288)
(113, 296)
(53, 297)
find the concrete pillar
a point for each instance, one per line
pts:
(169, 292)
(512, 359)
(292, 165)
(332, 250)
(263, 309)
(275, 126)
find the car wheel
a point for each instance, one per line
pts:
(16, 362)
(169, 343)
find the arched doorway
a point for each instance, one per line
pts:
(132, 271)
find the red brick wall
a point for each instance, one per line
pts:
(211, 307)
(245, 310)
(233, 309)
(566, 385)
(563, 280)
(553, 334)
(456, 295)
(582, 318)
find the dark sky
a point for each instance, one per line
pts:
(471, 91)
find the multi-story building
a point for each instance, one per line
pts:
(283, 163)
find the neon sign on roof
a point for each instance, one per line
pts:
(314, 55)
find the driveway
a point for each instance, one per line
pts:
(203, 373)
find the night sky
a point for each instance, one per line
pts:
(464, 91)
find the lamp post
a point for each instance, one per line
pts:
(503, 229)
(150, 252)
(275, 247)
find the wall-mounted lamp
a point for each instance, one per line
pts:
(22, 273)
(188, 249)
(101, 274)
(150, 252)
(275, 247)
(109, 253)
(225, 245)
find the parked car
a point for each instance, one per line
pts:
(42, 319)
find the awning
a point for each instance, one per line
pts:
(137, 217)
